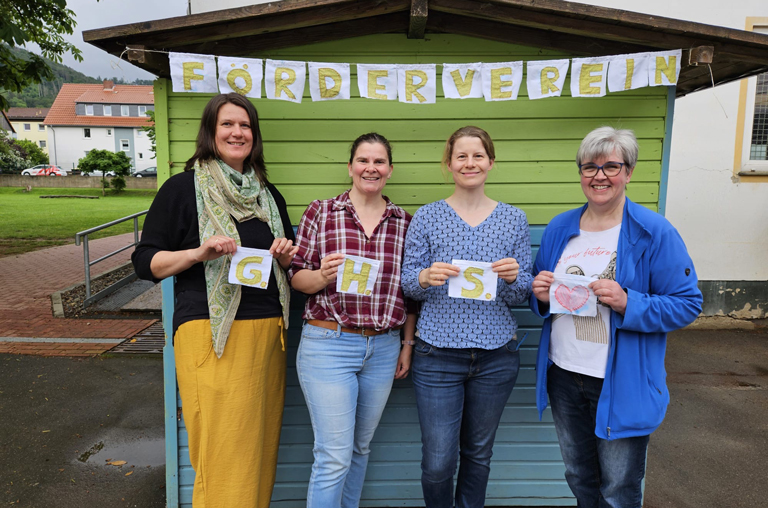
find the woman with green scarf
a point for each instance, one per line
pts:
(232, 397)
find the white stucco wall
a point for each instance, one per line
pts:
(723, 219)
(71, 146)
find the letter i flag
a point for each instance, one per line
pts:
(570, 294)
(357, 275)
(250, 267)
(476, 281)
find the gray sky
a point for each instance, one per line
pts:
(91, 14)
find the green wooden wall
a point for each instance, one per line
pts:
(306, 149)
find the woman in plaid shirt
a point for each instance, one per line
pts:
(350, 351)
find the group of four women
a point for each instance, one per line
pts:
(604, 374)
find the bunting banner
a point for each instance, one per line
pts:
(417, 83)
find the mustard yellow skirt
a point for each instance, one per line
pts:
(233, 410)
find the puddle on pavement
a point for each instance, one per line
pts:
(136, 452)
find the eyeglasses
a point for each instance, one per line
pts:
(590, 169)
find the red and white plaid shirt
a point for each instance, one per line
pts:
(331, 226)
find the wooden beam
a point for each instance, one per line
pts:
(418, 21)
(524, 36)
(611, 25)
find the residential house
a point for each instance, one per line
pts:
(100, 117)
(28, 124)
(5, 124)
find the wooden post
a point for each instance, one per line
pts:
(418, 22)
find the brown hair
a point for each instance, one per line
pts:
(206, 136)
(469, 131)
(372, 138)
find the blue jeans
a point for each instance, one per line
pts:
(460, 395)
(600, 473)
(346, 379)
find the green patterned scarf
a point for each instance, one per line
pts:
(223, 193)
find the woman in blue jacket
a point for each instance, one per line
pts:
(605, 374)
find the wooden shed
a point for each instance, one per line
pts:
(306, 148)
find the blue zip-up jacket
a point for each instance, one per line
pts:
(654, 268)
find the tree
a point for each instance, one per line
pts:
(33, 152)
(42, 22)
(12, 156)
(107, 162)
(151, 133)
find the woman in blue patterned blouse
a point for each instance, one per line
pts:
(465, 360)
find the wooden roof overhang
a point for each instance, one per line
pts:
(580, 29)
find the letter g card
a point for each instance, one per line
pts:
(250, 267)
(475, 281)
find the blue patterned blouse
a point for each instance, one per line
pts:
(437, 233)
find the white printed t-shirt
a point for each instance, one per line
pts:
(580, 343)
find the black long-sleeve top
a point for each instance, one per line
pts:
(171, 225)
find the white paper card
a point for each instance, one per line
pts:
(628, 72)
(193, 73)
(284, 80)
(357, 275)
(377, 81)
(502, 80)
(664, 67)
(588, 77)
(328, 81)
(570, 294)
(476, 281)
(241, 75)
(417, 84)
(251, 267)
(462, 81)
(546, 78)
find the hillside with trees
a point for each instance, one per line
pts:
(42, 95)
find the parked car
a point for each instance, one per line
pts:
(151, 172)
(97, 173)
(44, 170)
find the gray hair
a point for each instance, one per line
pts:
(604, 140)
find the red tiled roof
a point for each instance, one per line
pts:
(27, 113)
(63, 109)
(121, 94)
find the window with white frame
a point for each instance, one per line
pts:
(89, 109)
(42, 144)
(125, 111)
(27, 126)
(40, 127)
(754, 153)
(109, 133)
(141, 155)
(86, 132)
(125, 145)
(107, 110)
(142, 110)
(758, 146)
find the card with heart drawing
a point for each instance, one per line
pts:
(570, 294)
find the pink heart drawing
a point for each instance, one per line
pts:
(571, 299)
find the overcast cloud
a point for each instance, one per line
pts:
(91, 14)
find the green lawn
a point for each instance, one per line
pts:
(29, 222)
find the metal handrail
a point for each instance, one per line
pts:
(86, 252)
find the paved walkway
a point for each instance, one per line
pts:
(27, 282)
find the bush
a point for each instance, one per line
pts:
(12, 157)
(106, 161)
(33, 152)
